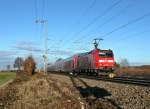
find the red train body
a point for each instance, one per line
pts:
(93, 62)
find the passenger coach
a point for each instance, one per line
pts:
(95, 62)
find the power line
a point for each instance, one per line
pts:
(41, 20)
(36, 9)
(109, 20)
(135, 34)
(45, 56)
(89, 8)
(38, 15)
(127, 24)
(113, 17)
(43, 9)
(98, 17)
(84, 13)
(42, 15)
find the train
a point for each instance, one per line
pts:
(95, 62)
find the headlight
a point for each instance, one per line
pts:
(110, 60)
(101, 61)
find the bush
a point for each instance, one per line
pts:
(29, 66)
(21, 76)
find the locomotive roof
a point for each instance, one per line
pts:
(82, 54)
(69, 58)
(105, 50)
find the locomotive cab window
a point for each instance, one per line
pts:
(105, 54)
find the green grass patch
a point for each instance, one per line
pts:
(6, 76)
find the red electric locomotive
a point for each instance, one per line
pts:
(95, 62)
(99, 62)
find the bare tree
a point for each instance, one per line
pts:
(8, 67)
(18, 63)
(124, 63)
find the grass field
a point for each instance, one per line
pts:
(6, 76)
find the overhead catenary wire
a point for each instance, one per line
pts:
(42, 15)
(132, 35)
(44, 23)
(89, 8)
(115, 16)
(98, 17)
(43, 9)
(128, 37)
(36, 9)
(127, 24)
(83, 14)
(39, 13)
(107, 21)
(76, 35)
(135, 34)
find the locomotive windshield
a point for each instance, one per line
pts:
(105, 54)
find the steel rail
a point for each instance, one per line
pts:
(130, 81)
(122, 80)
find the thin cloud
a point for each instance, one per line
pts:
(26, 43)
(60, 52)
(7, 53)
(7, 58)
(27, 46)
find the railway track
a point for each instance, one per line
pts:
(122, 80)
(134, 81)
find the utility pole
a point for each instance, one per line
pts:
(45, 56)
(96, 42)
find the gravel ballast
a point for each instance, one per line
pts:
(121, 96)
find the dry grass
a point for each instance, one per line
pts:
(40, 92)
(134, 71)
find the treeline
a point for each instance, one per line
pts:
(27, 65)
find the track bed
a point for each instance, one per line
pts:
(118, 95)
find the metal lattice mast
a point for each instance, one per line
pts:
(45, 56)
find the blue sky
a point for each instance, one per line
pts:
(72, 25)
